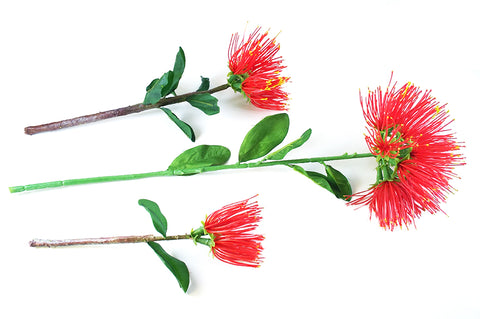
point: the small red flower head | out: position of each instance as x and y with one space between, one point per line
255 70
230 230
416 153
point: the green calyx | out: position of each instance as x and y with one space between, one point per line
197 237
388 163
236 80
387 166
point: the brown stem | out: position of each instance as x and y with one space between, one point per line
103 240
30 130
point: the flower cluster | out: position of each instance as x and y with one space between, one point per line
255 70
230 229
416 151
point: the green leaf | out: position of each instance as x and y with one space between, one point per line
280 154
156 88
201 156
178 69
205 84
264 136
344 190
177 267
158 219
152 84
204 102
187 129
317 178
166 89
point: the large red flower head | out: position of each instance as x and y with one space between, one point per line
416 153
230 229
255 70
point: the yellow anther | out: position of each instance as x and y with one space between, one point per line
406 88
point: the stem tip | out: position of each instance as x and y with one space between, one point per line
16 189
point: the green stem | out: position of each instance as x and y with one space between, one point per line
136 108
180 172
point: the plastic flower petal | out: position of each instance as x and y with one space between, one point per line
255 70
231 229
416 153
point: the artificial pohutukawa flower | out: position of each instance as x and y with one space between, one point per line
255 66
255 70
409 136
416 151
229 232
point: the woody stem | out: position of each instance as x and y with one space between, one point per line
103 240
136 108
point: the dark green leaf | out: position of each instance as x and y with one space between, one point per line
155 90
264 136
187 129
177 267
158 219
280 154
340 181
204 102
150 86
166 89
205 84
178 69
318 178
201 156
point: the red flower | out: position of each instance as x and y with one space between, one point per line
230 228
416 153
255 70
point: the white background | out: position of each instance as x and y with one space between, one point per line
61 59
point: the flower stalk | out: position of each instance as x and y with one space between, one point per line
131 109
185 171
103 240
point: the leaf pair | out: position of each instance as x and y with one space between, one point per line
205 102
335 182
167 84
177 267
266 135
